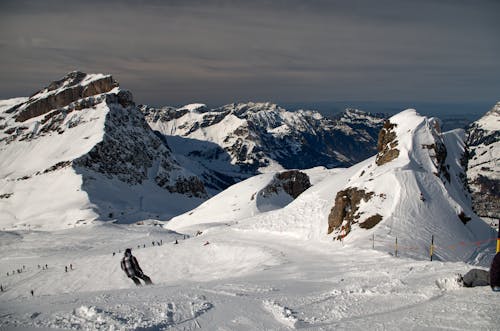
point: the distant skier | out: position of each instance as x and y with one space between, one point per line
71 266
66 268
131 267
32 293
495 273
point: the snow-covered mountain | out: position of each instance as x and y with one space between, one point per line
413 189
286 249
236 141
80 150
483 173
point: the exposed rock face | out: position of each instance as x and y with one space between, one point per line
345 211
293 182
87 123
63 92
129 150
386 144
483 173
253 136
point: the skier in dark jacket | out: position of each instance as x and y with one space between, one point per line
495 273
131 267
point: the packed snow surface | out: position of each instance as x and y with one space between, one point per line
238 281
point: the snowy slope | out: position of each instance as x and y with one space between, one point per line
243 200
419 194
483 172
239 281
69 157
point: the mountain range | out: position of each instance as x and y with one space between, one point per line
80 150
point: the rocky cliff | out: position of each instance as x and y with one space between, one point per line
483 171
84 125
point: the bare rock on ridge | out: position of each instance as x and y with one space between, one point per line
74 86
387 144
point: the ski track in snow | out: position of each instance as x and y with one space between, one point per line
311 286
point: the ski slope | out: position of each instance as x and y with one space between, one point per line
239 281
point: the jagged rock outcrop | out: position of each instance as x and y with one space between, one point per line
345 211
483 172
292 182
74 86
386 144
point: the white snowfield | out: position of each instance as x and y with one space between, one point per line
239 281
240 263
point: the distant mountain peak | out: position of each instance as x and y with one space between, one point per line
72 87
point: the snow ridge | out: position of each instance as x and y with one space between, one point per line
417 195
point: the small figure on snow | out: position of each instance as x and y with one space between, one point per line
71 266
422 197
1 288
46 266
131 267
32 293
206 243
198 233
66 268
176 242
153 243
495 273
114 253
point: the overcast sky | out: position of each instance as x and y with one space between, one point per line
217 52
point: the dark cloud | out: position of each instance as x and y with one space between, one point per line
174 52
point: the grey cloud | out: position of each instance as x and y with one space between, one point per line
221 51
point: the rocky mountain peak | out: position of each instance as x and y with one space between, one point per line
72 87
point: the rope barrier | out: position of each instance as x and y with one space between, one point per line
398 247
